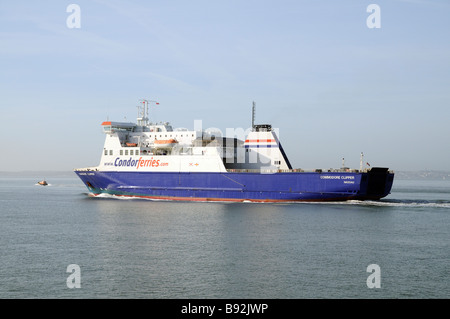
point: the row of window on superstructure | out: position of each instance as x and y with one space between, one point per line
123 152
170 135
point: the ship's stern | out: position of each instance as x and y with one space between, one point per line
376 183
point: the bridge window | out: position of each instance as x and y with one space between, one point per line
107 129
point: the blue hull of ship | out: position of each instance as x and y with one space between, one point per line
234 186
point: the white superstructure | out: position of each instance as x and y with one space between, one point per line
158 147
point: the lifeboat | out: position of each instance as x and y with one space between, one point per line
131 144
43 183
166 143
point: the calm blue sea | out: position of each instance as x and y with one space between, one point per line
133 248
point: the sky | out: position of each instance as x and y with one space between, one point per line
335 78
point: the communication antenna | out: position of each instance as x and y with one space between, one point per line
253 115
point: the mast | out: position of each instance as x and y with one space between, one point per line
361 161
142 119
253 115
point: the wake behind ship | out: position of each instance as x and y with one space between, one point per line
155 161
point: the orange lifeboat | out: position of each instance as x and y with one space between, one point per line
131 144
166 143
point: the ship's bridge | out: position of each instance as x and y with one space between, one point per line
111 127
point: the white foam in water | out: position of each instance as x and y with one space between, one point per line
381 203
396 203
401 203
105 195
124 197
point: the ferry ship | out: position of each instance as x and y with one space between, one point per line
155 161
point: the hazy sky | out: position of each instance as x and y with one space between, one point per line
333 86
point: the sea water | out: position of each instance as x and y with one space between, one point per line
58 242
